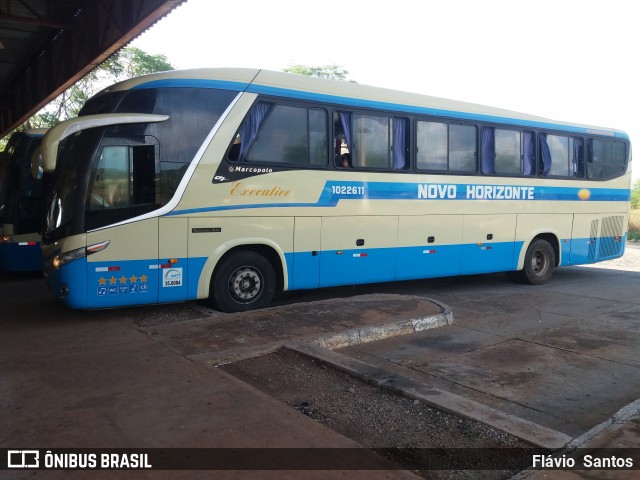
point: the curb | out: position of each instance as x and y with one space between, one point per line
372 333
334 340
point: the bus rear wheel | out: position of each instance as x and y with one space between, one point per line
244 281
539 262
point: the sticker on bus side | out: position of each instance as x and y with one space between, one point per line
172 277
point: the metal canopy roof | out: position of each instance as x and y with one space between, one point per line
47 45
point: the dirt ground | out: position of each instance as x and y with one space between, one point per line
384 421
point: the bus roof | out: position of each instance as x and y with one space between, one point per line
349 94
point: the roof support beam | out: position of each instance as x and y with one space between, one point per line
98 30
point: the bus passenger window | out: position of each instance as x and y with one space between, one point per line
607 159
282 134
507 152
444 147
562 156
372 141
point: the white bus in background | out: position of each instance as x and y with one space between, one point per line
20 204
232 184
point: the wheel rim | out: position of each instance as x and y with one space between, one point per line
539 262
245 284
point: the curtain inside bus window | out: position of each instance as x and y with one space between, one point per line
488 151
250 126
345 119
528 153
399 143
577 161
546 155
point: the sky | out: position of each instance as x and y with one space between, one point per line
570 60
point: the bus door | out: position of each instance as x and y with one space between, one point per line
358 249
173 264
488 243
122 190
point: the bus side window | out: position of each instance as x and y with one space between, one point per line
371 141
282 134
607 159
562 156
508 152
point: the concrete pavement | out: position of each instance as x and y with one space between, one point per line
109 379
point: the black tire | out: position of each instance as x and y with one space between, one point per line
244 281
539 262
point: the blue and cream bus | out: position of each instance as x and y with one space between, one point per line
20 204
232 184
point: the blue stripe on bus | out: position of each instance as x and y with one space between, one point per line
334 191
124 282
135 282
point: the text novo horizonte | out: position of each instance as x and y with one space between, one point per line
437 191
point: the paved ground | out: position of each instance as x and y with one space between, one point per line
562 356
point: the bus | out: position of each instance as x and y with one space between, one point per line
20 204
233 184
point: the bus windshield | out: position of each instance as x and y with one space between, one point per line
110 174
20 193
4 167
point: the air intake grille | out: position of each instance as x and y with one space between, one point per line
610 244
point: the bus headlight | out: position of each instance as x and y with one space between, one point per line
62 259
5 238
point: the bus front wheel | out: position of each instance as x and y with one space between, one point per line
244 281
539 262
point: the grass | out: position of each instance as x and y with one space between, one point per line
634 224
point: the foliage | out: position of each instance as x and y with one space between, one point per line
331 72
634 225
126 63
635 196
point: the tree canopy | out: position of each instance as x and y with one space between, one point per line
635 195
126 63
331 72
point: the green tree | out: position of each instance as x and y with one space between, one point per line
126 63
635 195
331 72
